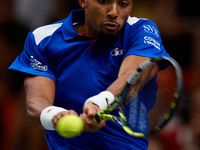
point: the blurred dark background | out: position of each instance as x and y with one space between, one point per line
179 25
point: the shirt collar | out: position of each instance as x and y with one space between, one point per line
75 18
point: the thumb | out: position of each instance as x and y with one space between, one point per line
90 109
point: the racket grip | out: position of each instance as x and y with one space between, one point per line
97 118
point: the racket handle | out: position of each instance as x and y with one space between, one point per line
97 118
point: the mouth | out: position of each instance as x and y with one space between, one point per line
111 25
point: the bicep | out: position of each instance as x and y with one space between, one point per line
39 86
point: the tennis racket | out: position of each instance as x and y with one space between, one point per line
150 110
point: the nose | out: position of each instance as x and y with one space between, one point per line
112 11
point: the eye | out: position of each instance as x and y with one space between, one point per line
123 4
103 1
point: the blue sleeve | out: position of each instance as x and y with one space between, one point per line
33 60
143 39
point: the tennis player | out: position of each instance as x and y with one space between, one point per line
71 66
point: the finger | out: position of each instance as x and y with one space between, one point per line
95 126
92 126
71 112
92 112
83 115
59 115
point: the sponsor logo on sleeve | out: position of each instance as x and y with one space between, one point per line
151 29
37 65
152 41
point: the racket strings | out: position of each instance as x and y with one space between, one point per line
140 106
158 94
166 81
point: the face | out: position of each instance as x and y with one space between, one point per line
105 18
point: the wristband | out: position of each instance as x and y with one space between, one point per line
47 115
102 100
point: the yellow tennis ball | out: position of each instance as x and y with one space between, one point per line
70 126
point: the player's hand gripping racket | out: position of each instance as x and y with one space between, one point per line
160 94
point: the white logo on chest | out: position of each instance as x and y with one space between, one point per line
117 51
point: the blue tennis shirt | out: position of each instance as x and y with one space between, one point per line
82 66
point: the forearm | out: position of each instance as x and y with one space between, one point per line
40 92
144 77
116 87
34 110
129 65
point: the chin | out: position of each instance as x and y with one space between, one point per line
108 37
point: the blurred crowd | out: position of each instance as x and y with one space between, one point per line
179 25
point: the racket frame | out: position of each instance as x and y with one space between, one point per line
120 99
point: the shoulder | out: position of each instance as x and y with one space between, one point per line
45 31
133 20
140 26
141 37
136 22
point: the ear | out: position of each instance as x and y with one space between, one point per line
83 3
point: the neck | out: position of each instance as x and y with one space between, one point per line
84 29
